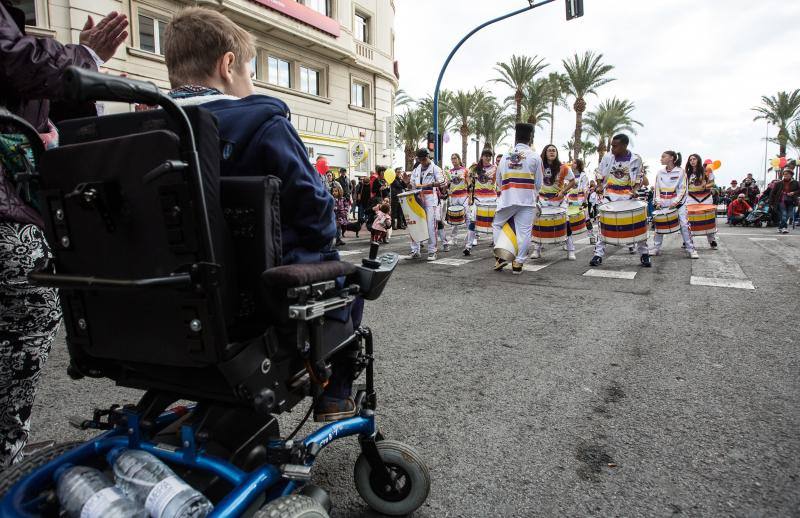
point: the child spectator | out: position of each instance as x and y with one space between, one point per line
383 221
341 209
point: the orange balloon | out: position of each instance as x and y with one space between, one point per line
716 165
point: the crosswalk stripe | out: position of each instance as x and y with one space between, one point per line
352 252
763 238
783 251
610 274
719 269
451 261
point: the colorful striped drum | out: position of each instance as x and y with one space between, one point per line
484 216
665 221
507 247
577 219
456 215
550 226
702 219
414 212
623 222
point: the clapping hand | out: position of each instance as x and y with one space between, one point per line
105 37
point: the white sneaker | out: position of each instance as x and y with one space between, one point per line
536 254
446 248
780 231
785 230
693 255
564 247
570 255
414 255
431 257
475 242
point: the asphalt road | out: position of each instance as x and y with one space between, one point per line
559 394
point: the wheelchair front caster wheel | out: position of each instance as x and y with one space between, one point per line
292 506
413 481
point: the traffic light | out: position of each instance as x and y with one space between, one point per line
574 9
430 142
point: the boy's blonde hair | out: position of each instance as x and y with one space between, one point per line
196 38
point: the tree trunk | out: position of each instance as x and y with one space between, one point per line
518 103
552 119
464 142
580 105
409 157
601 148
783 138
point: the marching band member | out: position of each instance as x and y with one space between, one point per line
621 175
482 188
579 195
701 181
518 178
670 192
557 179
458 194
428 177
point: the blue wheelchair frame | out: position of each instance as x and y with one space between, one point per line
21 499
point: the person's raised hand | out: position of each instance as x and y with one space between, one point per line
106 36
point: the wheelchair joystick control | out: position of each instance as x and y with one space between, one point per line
371 261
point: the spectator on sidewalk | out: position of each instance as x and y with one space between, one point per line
750 189
341 209
344 182
363 198
738 209
783 197
396 188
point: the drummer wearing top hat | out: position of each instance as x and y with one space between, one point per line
518 179
620 177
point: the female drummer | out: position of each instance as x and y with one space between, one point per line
481 188
578 195
457 177
670 193
701 181
557 179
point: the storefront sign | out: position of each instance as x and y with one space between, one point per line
303 14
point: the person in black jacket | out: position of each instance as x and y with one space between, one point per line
397 187
784 196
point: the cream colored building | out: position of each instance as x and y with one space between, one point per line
331 61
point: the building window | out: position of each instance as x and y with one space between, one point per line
254 68
151 33
321 6
278 72
29 8
309 80
361 29
358 95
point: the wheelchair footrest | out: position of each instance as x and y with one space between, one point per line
296 472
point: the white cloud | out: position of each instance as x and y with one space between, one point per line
694 68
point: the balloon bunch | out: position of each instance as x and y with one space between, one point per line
713 164
779 162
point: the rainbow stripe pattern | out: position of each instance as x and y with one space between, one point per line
702 219
577 220
507 247
484 217
517 180
550 226
666 221
623 223
456 215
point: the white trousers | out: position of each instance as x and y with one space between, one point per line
570 245
683 217
523 224
433 232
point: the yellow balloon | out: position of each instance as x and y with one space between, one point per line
775 162
716 165
389 176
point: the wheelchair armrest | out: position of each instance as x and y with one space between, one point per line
296 275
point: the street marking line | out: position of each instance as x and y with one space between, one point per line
449 261
719 269
721 283
352 252
610 274
535 267
785 252
762 238
743 234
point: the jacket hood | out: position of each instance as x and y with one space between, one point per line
250 113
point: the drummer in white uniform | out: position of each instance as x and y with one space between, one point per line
620 177
519 177
557 179
482 189
458 196
427 177
670 192
579 195
700 180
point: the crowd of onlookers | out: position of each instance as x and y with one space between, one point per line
367 202
777 205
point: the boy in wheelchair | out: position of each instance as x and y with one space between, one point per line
208 61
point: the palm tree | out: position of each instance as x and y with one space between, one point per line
556 94
794 137
493 124
610 118
410 128
535 103
781 110
465 107
586 74
445 117
401 98
517 73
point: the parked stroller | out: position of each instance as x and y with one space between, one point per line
171 282
759 216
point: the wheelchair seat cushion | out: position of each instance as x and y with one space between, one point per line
294 275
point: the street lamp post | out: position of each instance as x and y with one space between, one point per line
574 9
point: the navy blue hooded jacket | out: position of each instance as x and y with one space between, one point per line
259 140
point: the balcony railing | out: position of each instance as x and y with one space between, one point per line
364 51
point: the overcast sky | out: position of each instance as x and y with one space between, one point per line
693 68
